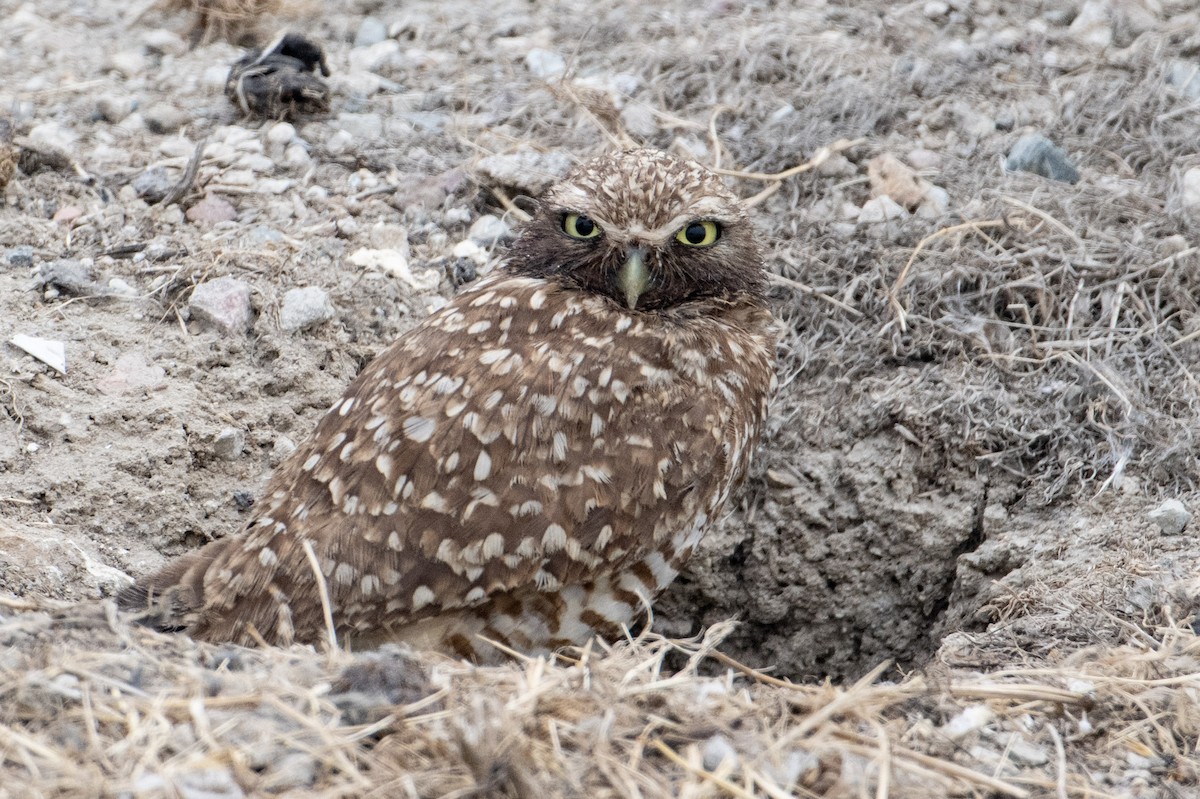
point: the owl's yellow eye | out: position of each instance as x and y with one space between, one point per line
578 226
700 233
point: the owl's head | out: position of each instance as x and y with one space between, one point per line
645 229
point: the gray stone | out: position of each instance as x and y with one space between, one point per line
115 107
229 443
1034 153
164 118
370 31
129 63
545 64
489 230
282 447
153 185
164 42
881 209
1185 77
281 133
1171 517
211 210
53 136
223 303
1189 192
20 256
261 236
68 276
303 308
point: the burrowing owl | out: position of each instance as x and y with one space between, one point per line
534 461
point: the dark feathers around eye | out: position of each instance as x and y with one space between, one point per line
729 268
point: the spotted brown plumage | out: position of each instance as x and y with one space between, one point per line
532 463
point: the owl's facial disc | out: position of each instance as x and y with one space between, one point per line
646 230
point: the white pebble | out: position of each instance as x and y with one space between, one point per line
1171 517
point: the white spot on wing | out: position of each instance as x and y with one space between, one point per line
422 597
419 429
483 466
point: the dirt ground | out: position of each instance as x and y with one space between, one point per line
987 386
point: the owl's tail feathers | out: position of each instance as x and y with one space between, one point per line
172 598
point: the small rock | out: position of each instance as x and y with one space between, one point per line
922 159
163 118
836 166
935 204
297 155
68 214
935 9
211 210
260 236
305 307
53 136
256 162
339 142
223 303
67 276
282 447
881 209
891 177
489 230
545 64
164 42
1171 517
374 58
129 63
153 185
1189 191
20 256
470 251
115 107
131 374
1185 76
370 31
229 443
119 288
1035 153
281 133
1092 25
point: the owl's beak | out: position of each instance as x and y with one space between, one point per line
634 277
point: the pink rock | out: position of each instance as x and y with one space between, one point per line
211 210
223 303
68 214
131 374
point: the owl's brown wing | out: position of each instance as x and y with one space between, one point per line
498 446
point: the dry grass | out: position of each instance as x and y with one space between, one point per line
93 707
